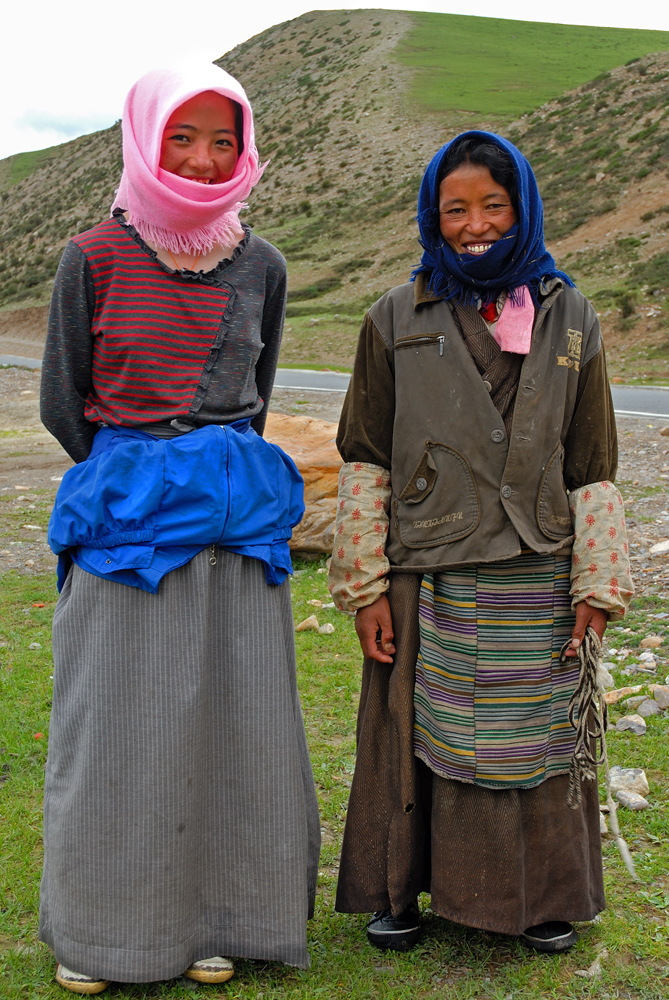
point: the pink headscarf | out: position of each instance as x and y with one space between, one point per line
171 211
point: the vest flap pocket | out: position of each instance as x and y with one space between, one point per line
422 482
553 515
449 503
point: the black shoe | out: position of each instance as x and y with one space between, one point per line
554 935
397 933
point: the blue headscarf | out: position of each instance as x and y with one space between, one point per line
519 258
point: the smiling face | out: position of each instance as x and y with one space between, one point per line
200 139
474 210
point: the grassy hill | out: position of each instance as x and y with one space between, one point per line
494 66
348 126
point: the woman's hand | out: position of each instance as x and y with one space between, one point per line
374 626
586 615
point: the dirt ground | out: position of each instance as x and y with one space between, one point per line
32 464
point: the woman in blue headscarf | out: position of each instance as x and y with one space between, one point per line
478 536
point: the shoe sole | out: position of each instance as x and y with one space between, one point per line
86 989
552 945
210 977
394 940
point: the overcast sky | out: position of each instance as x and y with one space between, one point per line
66 66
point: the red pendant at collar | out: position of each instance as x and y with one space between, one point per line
489 312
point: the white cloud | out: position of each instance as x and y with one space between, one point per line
42 121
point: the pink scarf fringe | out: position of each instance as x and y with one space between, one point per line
226 230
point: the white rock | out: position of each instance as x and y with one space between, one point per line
647 657
605 680
660 546
309 624
661 695
634 723
632 801
33 527
634 702
629 779
648 708
593 970
603 828
35 645
329 628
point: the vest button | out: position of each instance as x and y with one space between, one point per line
487 385
421 484
497 435
506 492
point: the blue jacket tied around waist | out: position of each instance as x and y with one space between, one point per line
141 506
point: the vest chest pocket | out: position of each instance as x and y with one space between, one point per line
422 340
553 514
440 502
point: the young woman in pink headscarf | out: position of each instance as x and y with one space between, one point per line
180 817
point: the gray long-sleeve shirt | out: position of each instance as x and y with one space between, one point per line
237 386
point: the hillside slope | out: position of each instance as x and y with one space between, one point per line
601 155
348 145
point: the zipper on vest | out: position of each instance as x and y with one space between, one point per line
417 341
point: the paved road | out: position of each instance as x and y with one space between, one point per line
302 378
633 401
641 401
630 401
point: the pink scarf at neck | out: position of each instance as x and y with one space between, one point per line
513 330
170 211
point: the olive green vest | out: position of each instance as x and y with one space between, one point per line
462 491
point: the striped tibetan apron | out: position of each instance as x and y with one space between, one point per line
491 693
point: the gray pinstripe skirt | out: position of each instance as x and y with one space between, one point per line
180 815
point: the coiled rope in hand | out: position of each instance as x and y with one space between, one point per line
587 713
585 716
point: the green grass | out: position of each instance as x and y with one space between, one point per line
21 165
497 67
449 961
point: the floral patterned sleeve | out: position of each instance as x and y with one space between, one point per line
359 567
600 569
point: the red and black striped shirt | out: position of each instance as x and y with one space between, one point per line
154 332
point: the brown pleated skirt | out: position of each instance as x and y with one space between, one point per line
498 860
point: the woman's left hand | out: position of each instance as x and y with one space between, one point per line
586 615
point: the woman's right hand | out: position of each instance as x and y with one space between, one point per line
374 626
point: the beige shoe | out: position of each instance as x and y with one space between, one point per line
211 970
75 982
